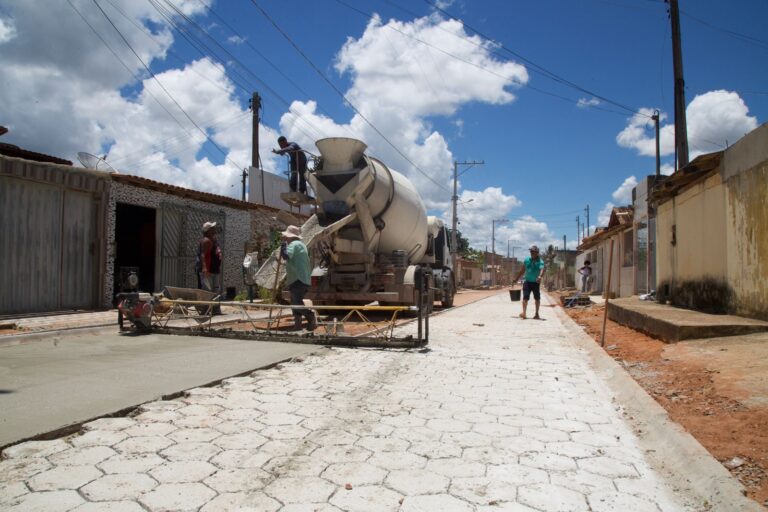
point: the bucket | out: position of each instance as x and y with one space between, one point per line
514 295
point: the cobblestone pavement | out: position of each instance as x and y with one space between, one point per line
499 415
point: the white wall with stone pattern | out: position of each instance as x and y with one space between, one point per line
237 231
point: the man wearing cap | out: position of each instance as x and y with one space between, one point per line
533 268
298 163
297 275
209 259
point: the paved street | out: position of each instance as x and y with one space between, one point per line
499 414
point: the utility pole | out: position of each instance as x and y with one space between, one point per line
681 130
255 158
565 247
245 176
587 210
493 248
454 200
578 231
655 118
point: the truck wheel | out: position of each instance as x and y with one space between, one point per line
447 302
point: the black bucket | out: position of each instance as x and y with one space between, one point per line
514 295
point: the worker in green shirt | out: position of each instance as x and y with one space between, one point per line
533 268
297 275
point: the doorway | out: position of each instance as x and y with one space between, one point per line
135 240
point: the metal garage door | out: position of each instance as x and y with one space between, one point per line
181 232
46 247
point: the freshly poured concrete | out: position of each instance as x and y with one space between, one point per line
65 379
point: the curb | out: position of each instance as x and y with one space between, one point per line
667 446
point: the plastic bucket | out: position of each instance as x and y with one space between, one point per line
514 295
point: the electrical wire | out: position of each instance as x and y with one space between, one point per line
206 51
268 61
490 49
343 96
534 66
736 35
154 77
122 62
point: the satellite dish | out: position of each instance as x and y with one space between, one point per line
98 163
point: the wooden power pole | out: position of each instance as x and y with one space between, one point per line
681 130
255 157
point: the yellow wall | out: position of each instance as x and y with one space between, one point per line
747 241
700 250
722 228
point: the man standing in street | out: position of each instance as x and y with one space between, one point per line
297 275
298 163
533 268
209 259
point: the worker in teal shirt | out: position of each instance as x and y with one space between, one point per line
297 275
533 268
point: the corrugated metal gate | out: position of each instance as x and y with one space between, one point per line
48 247
181 232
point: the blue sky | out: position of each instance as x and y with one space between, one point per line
431 85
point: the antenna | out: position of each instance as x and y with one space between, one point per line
98 163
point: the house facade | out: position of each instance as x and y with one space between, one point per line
597 250
73 234
712 240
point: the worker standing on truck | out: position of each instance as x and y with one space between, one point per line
297 275
298 163
533 268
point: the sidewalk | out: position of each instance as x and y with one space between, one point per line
24 325
499 414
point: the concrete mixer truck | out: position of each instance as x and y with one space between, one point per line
371 236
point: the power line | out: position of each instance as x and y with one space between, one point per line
154 77
343 96
536 67
570 101
736 35
208 52
120 60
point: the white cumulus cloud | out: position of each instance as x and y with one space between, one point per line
714 120
623 194
398 83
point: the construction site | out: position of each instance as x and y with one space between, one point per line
235 281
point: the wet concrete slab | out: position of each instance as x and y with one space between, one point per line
65 379
673 324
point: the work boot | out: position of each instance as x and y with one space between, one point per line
296 324
311 322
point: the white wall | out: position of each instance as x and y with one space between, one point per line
269 194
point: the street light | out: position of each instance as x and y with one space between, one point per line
493 248
454 200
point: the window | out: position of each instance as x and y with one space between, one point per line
628 249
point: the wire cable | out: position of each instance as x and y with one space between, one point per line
541 69
122 62
194 41
154 77
343 96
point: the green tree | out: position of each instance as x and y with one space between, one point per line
463 249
